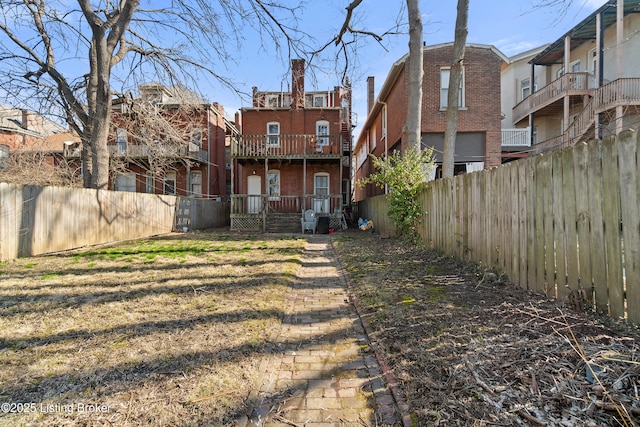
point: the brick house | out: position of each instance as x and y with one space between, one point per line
37 140
293 154
162 143
479 137
586 84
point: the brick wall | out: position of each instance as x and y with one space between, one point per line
292 122
213 141
291 177
482 90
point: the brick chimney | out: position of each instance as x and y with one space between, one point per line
370 90
297 84
25 119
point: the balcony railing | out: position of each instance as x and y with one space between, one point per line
516 137
568 84
243 204
135 151
618 92
621 92
288 146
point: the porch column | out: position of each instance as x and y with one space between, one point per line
265 199
619 72
566 103
599 68
304 184
532 79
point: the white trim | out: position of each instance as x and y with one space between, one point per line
273 138
322 132
168 177
461 95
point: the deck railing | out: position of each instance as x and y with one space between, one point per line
568 84
618 92
516 137
143 151
328 204
287 145
245 204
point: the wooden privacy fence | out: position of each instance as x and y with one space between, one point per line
562 223
36 220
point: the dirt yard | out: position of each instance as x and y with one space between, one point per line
171 331
469 349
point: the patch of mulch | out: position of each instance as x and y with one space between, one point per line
470 349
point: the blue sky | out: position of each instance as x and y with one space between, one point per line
512 26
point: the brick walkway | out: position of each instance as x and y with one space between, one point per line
319 369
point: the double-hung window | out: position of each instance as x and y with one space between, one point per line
195 142
121 141
273 134
445 75
525 88
196 183
322 132
170 183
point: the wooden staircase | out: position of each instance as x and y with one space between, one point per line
284 223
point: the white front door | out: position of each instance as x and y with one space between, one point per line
254 194
321 191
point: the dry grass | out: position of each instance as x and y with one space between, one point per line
165 331
472 352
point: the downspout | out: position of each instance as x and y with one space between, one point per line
599 69
531 117
386 143
619 63
566 99
265 198
209 153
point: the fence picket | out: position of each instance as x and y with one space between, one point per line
582 190
597 255
570 230
611 219
630 219
551 222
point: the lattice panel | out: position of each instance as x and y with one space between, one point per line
246 224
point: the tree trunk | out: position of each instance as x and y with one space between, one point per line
455 76
413 126
87 166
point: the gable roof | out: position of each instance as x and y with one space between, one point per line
398 67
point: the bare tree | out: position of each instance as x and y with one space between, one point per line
412 128
455 76
70 59
38 167
160 136
351 32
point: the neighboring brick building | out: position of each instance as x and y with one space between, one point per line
294 154
38 142
478 142
162 143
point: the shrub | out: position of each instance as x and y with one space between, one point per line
404 174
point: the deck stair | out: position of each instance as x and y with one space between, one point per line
284 223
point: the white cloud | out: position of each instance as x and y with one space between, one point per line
512 47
